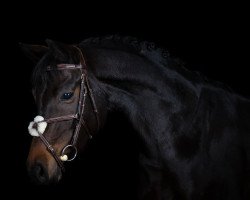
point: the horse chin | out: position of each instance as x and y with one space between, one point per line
56 178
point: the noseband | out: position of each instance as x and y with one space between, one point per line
85 90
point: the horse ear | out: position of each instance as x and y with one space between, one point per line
59 49
34 52
62 52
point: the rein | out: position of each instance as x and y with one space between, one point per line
85 90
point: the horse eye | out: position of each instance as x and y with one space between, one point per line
67 96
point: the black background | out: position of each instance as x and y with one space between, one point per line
210 40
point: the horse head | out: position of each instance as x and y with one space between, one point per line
67 101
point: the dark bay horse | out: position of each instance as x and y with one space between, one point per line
194 134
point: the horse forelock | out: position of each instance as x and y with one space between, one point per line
40 76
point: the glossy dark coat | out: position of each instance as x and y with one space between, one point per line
193 134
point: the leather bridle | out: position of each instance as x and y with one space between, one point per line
85 90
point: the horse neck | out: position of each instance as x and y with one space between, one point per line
145 93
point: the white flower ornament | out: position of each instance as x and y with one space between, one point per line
38 125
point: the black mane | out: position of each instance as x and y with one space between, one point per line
132 45
152 52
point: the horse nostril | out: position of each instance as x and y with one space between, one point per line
40 173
